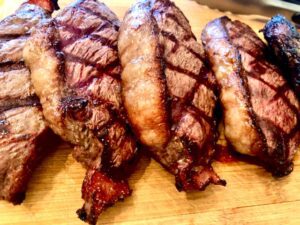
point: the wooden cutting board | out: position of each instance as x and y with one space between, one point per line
252 196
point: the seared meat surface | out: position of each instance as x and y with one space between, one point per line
169 93
284 39
76 73
261 113
23 131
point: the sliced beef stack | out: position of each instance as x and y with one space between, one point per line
24 135
284 40
261 113
169 93
76 73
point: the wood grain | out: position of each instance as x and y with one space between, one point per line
252 196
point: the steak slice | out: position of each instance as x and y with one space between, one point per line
24 135
76 73
284 39
261 112
169 93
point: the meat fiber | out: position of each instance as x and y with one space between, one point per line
24 135
76 73
260 111
169 93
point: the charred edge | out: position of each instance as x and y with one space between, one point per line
9 66
284 47
277 21
31 101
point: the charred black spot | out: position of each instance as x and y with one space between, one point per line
55 4
18 198
76 108
82 214
3 127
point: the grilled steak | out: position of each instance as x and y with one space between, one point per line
284 40
169 93
76 73
261 113
23 131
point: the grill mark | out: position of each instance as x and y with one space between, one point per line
281 91
286 136
91 12
102 69
13 103
200 78
238 33
176 20
200 114
77 33
188 100
9 66
256 76
104 41
282 142
85 33
9 37
102 133
172 38
168 5
286 100
292 107
82 67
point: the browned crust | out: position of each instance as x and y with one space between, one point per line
151 123
284 41
185 153
24 137
243 40
84 105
